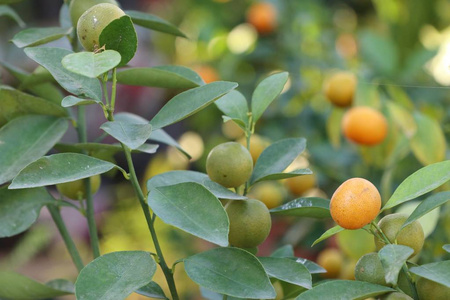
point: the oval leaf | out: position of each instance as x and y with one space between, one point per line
59 168
131 134
152 290
311 207
230 271
330 232
446 248
192 208
153 22
393 257
115 275
235 106
37 36
266 91
25 139
73 101
312 267
91 64
437 271
287 270
279 176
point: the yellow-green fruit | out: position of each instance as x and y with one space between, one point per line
93 21
396 296
430 290
271 193
229 164
369 269
411 236
330 259
346 241
78 7
76 190
250 223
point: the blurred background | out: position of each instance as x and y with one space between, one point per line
399 52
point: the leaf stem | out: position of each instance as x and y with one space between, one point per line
113 90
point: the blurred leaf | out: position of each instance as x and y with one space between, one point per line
287 270
120 35
393 257
50 58
380 52
131 134
69 101
330 232
25 139
62 285
334 126
399 97
230 271
283 251
367 94
9 1
39 75
153 22
446 248
9 12
91 64
115 275
415 63
59 168
428 221
235 106
152 290
19 209
266 91
189 102
420 182
403 118
202 215
31 37
311 207
438 272
428 144
64 16
346 242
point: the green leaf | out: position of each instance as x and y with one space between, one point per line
230 271
330 232
64 16
189 102
31 37
69 101
99 150
50 58
115 275
91 64
18 287
393 257
62 285
344 289
175 177
277 157
59 168
420 182
283 251
428 144
9 12
266 91
9 1
446 248
312 267
282 175
25 139
380 52
163 76
19 209
119 35
438 272
153 22
152 290
311 207
39 75
201 215
333 126
131 134
287 270
403 118
235 106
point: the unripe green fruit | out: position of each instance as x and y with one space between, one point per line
75 189
93 21
250 223
430 290
78 7
229 164
369 269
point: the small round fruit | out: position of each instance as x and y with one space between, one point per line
340 88
430 290
78 7
411 236
263 16
364 126
396 296
300 184
355 203
229 164
369 269
270 193
348 270
331 260
93 21
250 223
76 190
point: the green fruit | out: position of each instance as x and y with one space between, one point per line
78 7
250 223
430 290
93 21
369 269
396 296
75 189
229 164
411 236
346 241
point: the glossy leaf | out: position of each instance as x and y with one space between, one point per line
446 248
284 175
120 35
393 257
19 209
287 270
230 271
99 149
330 232
131 134
153 22
62 285
192 208
37 36
235 106
69 101
420 182
189 102
312 267
344 289
287 251
9 12
266 91
437 271
277 157
283 251
152 290
25 139
50 58
15 286
91 64
59 168
115 275
312 207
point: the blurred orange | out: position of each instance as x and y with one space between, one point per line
346 45
207 73
263 16
364 125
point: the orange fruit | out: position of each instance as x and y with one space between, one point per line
340 88
331 260
207 73
263 16
355 203
346 45
364 125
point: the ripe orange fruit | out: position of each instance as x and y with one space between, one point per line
263 16
207 73
364 125
340 88
355 203
331 260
